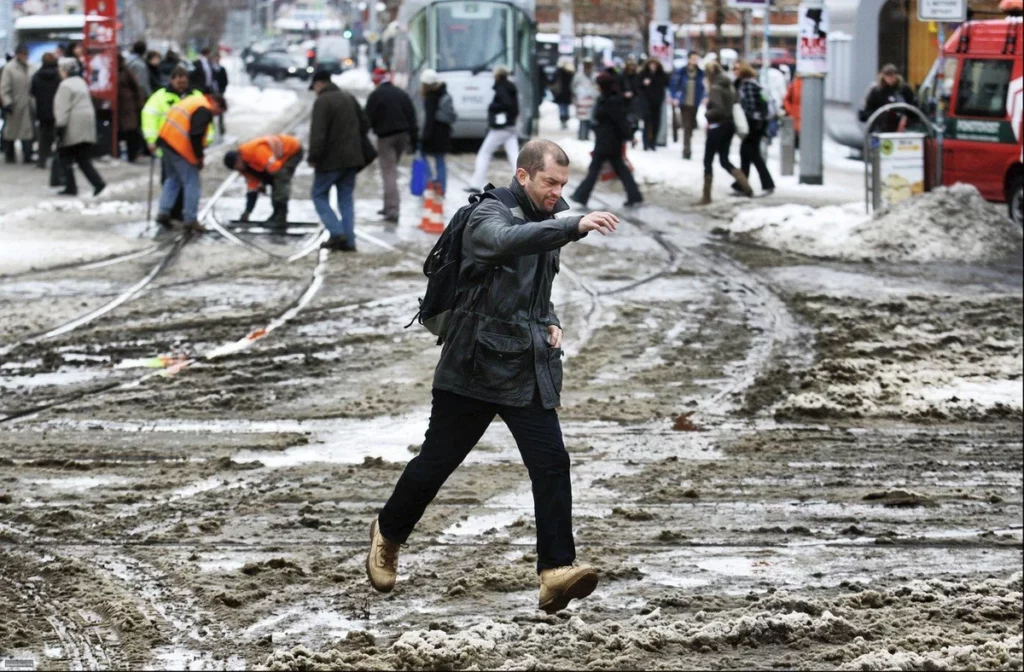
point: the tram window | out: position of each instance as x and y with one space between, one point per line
472 35
526 46
418 40
982 88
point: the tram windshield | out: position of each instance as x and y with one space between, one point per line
474 36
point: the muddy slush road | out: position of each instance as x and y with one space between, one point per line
755 473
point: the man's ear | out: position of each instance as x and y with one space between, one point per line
522 176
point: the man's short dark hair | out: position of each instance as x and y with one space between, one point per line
205 52
49 58
21 49
178 71
139 47
219 100
693 53
533 156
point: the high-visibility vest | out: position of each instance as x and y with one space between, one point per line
267 154
178 126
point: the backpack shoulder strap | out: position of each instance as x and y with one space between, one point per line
503 194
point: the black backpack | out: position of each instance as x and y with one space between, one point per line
444 262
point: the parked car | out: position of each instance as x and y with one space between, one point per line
333 54
279 65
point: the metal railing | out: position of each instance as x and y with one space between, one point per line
932 129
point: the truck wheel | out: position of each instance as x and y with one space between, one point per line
1016 200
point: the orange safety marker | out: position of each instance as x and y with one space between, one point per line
433 209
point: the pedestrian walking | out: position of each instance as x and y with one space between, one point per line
720 130
335 152
502 129
613 127
130 101
16 93
629 87
44 88
755 107
502 356
653 84
154 113
687 90
182 141
889 88
791 103
584 93
202 73
438 117
393 119
153 60
139 67
271 161
561 89
220 79
75 123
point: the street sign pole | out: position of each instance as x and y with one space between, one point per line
662 16
811 67
941 11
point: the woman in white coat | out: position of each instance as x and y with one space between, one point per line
75 122
584 93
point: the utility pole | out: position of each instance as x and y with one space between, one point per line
566 29
663 14
746 35
811 57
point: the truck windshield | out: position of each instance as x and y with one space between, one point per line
473 36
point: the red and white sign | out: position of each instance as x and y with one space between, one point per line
662 41
812 40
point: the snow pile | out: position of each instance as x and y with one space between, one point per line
253 110
950 223
94 209
1004 654
356 81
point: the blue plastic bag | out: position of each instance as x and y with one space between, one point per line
420 176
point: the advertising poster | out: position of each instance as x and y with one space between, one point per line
900 166
812 41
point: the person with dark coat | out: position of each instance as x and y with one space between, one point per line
752 100
502 128
130 101
394 122
502 356
438 117
153 60
653 84
220 74
629 86
202 73
44 88
612 129
889 88
720 130
140 68
561 89
336 155
171 59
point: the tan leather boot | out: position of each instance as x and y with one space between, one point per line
741 180
561 584
382 561
705 199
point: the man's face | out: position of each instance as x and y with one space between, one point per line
179 83
318 86
240 165
588 68
22 57
890 79
545 187
694 60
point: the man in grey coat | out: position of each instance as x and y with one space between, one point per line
502 356
138 67
19 116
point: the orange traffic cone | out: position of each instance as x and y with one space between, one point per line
433 209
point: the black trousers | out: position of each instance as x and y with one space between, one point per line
456 425
82 155
718 141
47 134
750 153
134 141
582 193
652 125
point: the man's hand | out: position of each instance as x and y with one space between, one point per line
554 336
602 222
152 149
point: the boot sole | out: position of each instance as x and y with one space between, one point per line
578 589
379 589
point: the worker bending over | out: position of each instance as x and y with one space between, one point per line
268 160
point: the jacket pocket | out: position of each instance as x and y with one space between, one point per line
500 363
555 368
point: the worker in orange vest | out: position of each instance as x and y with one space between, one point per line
268 160
183 139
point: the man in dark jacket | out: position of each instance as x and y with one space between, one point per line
44 88
502 115
687 91
336 155
393 119
502 356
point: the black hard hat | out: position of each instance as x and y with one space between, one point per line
230 159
